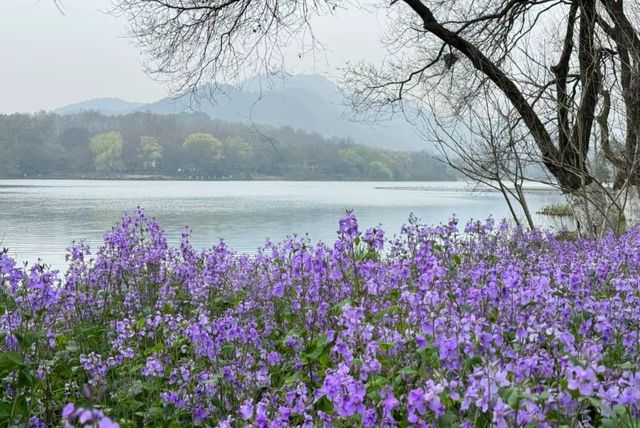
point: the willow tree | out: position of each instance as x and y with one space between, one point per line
107 152
570 69
149 152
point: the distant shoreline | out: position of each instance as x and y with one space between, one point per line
428 186
261 178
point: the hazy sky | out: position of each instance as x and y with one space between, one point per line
51 59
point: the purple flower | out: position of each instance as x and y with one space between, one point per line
200 413
374 237
443 321
345 392
86 417
389 402
154 367
369 418
278 289
583 380
419 400
500 413
246 410
67 411
174 398
35 422
348 225
107 423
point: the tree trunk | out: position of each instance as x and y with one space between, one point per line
595 211
631 205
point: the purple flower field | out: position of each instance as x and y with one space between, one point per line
485 326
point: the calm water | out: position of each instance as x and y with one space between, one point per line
39 218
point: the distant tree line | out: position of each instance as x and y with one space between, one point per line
192 146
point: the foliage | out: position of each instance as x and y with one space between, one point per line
493 326
204 152
48 145
373 164
149 152
237 153
107 152
74 137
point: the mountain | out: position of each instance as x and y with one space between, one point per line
106 106
310 103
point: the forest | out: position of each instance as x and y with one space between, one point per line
192 146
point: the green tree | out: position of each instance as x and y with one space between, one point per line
203 153
378 171
107 152
73 137
149 152
356 159
9 166
237 153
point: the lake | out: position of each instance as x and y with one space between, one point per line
40 218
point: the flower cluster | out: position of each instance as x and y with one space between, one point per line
488 326
87 418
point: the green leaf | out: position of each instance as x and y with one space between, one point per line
72 348
323 404
217 403
608 423
320 352
595 402
25 378
158 347
140 323
470 363
457 259
315 354
620 410
32 337
385 346
9 361
338 306
5 409
318 348
21 406
62 340
408 371
375 384
514 398
228 348
447 420
466 307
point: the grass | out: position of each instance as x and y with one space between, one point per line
556 210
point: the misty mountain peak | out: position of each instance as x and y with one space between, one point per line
308 102
107 105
